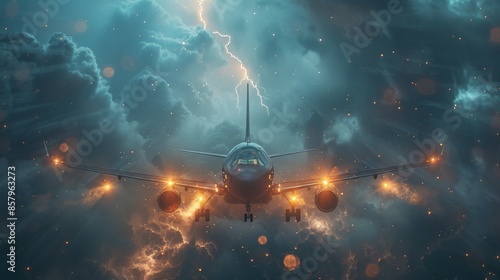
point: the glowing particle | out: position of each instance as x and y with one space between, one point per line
262 240
495 35
64 147
81 26
372 270
108 72
291 262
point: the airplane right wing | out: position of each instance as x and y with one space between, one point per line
300 184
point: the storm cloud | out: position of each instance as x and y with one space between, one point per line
123 85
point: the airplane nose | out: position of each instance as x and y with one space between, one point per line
249 183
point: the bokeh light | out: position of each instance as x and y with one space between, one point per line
391 95
262 240
81 26
495 121
426 86
291 262
64 147
11 9
372 270
108 72
128 62
495 35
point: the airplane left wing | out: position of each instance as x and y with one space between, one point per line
191 184
300 184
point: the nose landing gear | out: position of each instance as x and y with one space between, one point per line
248 215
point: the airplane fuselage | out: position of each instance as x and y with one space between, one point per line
247 174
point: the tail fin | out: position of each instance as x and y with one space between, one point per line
247 137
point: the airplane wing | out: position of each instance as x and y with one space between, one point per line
202 153
192 184
300 184
291 153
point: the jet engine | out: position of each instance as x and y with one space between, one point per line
169 200
326 200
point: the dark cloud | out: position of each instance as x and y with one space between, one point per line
152 72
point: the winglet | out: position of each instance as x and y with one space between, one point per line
46 150
247 136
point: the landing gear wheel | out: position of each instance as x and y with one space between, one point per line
297 215
196 215
207 215
289 213
245 217
251 217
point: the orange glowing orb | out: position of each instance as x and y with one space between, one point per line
426 86
391 96
372 270
64 147
108 72
81 26
262 240
291 262
495 121
495 35
11 9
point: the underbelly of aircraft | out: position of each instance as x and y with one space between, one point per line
228 198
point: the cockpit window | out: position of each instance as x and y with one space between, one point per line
253 161
248 156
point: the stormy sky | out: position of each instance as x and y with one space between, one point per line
367 83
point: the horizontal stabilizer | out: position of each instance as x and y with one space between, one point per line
291 153
203 153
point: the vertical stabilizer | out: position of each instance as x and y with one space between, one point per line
247 136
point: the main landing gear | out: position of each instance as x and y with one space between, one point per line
291 212
202 212
248 215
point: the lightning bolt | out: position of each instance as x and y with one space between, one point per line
245 76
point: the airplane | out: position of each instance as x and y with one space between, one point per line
247 179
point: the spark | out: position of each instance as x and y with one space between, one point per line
245 76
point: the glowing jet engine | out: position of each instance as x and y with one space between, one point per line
169 200
326 200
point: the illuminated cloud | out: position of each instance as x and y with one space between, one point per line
54 86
